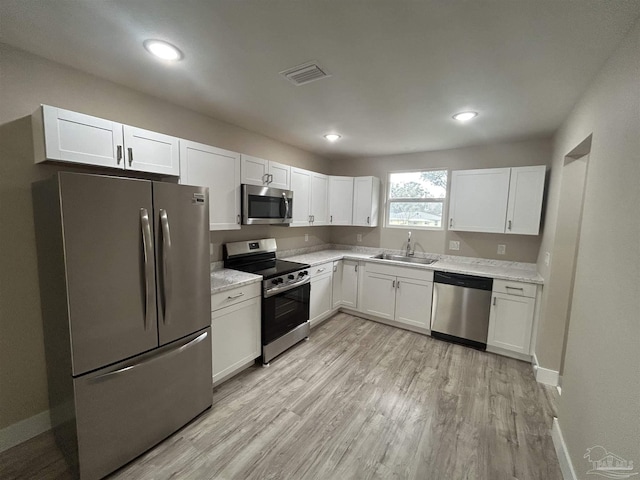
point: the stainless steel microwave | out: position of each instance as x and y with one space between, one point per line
266 206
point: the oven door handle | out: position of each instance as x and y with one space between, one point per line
285 288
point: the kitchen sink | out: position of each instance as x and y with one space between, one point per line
404 258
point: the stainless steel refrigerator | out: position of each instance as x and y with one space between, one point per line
125 294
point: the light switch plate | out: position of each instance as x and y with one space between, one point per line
359 237
306 237
454 245
502 249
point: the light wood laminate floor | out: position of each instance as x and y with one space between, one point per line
360 400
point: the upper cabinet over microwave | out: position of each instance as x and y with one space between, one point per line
265 173
497 200
65 136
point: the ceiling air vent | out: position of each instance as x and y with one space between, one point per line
303 74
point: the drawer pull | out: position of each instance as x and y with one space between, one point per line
514 288
320 270
232 297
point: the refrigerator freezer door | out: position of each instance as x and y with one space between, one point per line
181 223
110 268
125 409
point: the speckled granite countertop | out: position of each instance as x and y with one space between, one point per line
497 269
226 279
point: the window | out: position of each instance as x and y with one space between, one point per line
416 199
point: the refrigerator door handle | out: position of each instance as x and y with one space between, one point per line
147 248
167 269
172 352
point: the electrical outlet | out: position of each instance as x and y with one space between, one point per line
359 237
306 237
454 245
547 258
502 249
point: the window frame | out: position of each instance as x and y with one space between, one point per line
444 201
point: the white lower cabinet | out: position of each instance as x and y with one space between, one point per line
320 302
511 317
235 332
350 284
398 294
336 284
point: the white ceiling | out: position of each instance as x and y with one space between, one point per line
400 68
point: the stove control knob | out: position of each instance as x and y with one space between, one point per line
275 281
279 280
290 277
302 274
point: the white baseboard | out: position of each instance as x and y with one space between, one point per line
24 430
566 467
544 375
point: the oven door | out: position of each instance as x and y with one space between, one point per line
283 312
266 206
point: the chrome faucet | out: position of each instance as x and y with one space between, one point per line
409 252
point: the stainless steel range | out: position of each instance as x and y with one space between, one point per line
285 293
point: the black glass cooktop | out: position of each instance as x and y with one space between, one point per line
271 268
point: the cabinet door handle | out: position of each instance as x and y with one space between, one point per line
119 154
356 267
450 222
368 222
130 150
331 219
313 218
494 301
393 284
335 268
238 219
232 297
269 178
398 284
509 227
265 178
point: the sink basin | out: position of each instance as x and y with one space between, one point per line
404 258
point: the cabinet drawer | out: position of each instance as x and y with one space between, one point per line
406 272
236 295
515 288
321 269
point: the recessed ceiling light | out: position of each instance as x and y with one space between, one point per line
464 116
332 137
163 50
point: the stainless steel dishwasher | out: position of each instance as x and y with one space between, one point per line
460 309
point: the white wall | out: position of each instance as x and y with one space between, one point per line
600 403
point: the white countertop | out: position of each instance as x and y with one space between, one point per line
226 279
489 268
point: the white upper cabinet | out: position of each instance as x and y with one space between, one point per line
340 200
151 152
319 199
366 200
310 198
526 189
479 200
301 187
218 169
261 172
497 200
66 136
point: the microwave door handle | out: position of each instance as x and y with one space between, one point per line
286 206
